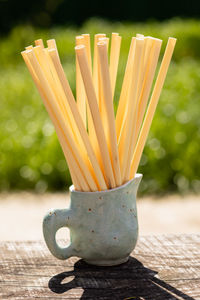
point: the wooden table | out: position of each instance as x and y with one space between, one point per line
161 267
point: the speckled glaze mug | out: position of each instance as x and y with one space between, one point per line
103 225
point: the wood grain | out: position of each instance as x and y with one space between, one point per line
161 267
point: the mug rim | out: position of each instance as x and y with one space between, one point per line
137 175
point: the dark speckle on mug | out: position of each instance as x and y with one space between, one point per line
123 205
92 230
100 198
114 238
131 209
89 209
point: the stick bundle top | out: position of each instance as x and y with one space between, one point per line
102 151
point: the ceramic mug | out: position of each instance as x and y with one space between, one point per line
103 225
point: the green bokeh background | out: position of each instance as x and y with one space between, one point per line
30 155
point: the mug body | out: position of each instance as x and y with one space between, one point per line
105 230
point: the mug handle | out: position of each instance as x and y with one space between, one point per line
53 221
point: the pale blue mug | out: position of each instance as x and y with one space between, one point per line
103 225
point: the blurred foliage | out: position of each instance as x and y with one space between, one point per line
48 13
30 155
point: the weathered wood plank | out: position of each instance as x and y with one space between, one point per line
161 267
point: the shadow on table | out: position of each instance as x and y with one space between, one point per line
129 280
